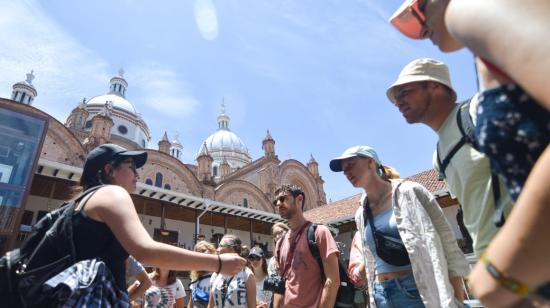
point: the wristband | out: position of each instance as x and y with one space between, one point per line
219 265
511 284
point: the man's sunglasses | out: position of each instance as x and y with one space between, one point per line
410 20
253 258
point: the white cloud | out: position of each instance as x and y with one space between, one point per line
65 70
162 90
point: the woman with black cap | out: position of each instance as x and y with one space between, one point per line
410 253
106 223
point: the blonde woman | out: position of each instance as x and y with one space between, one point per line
409 249
200 280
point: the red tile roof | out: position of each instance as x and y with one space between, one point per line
334 211
429 179
345 208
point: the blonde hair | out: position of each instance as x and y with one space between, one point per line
389 172
280 225
199 247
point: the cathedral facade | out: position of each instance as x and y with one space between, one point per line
223 191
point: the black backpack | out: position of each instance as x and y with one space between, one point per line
467 127
346 291
47 251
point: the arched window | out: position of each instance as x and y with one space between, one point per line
215 171
167 186
245 202
149 182
158 179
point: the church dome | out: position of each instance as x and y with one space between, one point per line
225 144
128 124
116 96
117 102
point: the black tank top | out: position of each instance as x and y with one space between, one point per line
94 239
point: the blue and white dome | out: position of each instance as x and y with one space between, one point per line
128 123
226 145
117 102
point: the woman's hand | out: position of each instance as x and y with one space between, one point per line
261 305
232 263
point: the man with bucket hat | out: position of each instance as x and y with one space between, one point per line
423 93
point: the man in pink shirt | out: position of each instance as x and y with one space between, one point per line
305 285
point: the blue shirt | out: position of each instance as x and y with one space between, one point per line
385 223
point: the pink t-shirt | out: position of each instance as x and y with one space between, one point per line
303 280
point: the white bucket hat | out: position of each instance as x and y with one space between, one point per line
423 70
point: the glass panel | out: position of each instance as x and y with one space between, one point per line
20 137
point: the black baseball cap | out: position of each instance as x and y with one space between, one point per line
106 153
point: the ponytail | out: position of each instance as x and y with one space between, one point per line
389 172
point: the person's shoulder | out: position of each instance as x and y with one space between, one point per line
111 192
248 271
323 232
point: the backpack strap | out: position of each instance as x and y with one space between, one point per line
84 196
467 129
312 244
498 216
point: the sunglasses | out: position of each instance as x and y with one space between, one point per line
131 165
253 258
410 20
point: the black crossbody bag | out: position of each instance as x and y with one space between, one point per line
388 248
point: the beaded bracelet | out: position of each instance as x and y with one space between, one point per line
219 264
504 280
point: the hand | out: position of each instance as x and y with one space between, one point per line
359 276
261 305
232 263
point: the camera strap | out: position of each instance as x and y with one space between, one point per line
293 244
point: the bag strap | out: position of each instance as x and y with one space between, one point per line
498 215
293 244
312 244
466 128
201 277
66 219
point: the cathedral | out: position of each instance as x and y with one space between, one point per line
224 190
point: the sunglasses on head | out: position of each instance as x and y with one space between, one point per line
410 20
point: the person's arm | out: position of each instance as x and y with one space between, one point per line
114 206
458 287
356 267
332 281
509 34
456 262
138 288
179 294
251 291
211 298
278 300
521 248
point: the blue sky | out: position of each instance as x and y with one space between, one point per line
312 72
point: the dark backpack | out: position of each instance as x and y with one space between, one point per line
346 290
47 251
467 127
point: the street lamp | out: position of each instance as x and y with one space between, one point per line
197 223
